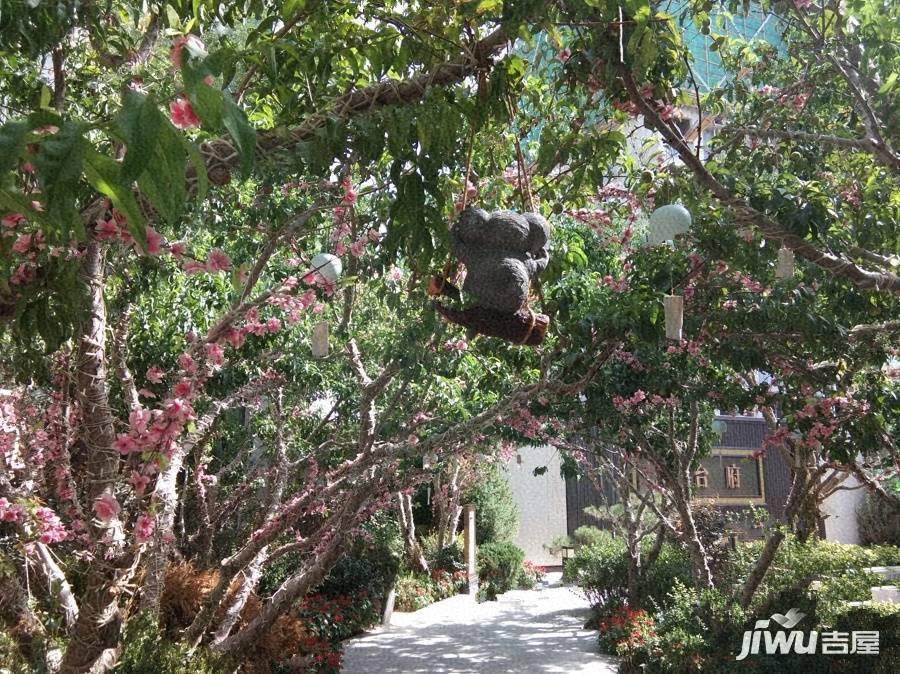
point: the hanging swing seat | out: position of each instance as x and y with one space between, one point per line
522 327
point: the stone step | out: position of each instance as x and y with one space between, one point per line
886 572
886 593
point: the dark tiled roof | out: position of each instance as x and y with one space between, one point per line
743 432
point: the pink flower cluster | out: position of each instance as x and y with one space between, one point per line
116 229
796 101
456 345
50 528
617 286
625 404
629 359
106 507
216 260
10 512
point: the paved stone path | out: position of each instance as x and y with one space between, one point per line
527 632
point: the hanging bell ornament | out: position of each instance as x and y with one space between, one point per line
319 339
719 427
785 266
327 266
667 222
429 460
674 306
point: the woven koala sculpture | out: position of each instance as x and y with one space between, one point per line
502 252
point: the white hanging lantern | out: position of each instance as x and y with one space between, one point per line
674 306
667 222
319 339
719 427
327 266
785 266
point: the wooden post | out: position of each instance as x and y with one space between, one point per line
469 547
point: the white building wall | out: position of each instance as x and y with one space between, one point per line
839 511
541 501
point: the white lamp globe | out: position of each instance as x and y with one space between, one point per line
719 427
667 222
328 266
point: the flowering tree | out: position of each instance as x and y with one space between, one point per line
159 225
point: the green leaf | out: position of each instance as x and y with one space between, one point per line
888 83
140 122
243 135
105 175
163 181
199 167
59 165
208 103
12 142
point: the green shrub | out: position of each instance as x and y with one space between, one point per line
146 651
530 575
413 591
601 571
449 558
879 521
496 515
690 631
499 566
796 565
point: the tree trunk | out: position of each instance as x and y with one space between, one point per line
760 568
634 566
94 639
414 554
691 540
21 624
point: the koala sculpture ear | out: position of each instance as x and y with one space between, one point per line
538 232
471 223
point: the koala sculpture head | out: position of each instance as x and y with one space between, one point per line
503 252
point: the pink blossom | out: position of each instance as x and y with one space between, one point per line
340 249
10 512
218 260
177 249
146 393
155 374
358 247
413 439
106 507
235 337
154 242
373 236
179 410
22 244
318 308
143 530
182 114
124 444
802 4
186 363
273 325
138 420
12 220
215 353
395 274
564 55
666 110
106 230
139 482
349 193
50 526
182 389
195 43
